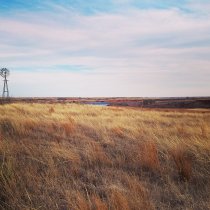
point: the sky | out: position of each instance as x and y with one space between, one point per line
107 48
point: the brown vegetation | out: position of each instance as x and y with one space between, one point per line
81 157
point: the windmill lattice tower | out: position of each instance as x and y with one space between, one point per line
4 72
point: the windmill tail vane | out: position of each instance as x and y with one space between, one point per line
4 72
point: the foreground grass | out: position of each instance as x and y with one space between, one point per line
82 157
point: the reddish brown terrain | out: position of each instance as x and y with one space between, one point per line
182 102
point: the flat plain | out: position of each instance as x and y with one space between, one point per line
85 157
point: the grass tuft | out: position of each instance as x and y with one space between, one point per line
183 162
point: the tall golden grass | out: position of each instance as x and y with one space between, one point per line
81 157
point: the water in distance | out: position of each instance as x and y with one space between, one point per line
98 103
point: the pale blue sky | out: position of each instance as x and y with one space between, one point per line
106 47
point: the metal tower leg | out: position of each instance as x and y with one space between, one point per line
5 89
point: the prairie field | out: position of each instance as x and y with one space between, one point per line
83 157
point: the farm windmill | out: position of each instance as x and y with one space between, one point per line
4 72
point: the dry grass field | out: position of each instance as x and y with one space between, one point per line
81 157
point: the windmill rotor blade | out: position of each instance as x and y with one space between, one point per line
4 72
1 72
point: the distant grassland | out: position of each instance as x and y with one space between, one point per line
170 102
82 157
